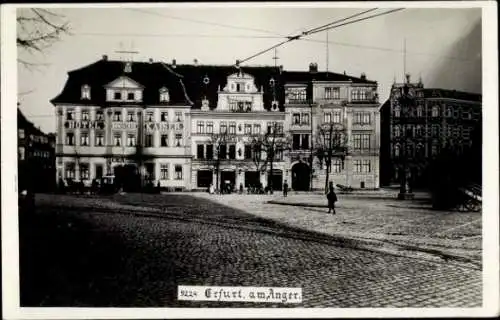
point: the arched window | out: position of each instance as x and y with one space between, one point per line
396 150
435 111
397 131
409 150
86 92
449 112
419 111
397 112
164 95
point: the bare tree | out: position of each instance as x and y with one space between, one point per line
219 141
37 30
256 143
331 142
273 143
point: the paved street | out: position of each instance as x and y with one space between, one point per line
377 217
133 250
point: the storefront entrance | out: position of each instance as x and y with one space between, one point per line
127 177
228 176
301 177
204 178
277 179
252 178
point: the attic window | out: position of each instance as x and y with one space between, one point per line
128 67
164 96
86 91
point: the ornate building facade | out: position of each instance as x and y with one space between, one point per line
434 120
159 122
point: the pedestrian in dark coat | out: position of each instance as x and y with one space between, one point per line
285 189
332 198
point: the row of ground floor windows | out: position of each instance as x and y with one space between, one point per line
84 171
300 178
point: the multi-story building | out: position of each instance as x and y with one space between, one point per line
316 99
433 120
124 119
36 157
163 122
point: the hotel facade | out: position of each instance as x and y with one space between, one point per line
157 122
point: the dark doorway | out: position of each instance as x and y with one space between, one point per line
252 178
127 177
228 176
300 177
204 178
277 179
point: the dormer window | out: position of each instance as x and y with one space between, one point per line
164 95
130 96
204 104
128 67
86 92
117 95
238 87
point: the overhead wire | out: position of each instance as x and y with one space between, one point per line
325 27
273 35
101 34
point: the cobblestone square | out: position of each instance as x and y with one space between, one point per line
134 250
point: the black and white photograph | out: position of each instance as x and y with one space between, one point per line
250 159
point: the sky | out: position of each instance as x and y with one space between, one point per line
443 46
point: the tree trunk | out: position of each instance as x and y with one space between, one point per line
217 174
270 183
327 174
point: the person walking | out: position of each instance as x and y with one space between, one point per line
332 198
285 189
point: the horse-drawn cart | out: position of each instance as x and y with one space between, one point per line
469 198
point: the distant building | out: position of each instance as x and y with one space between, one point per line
156 121
36 157
437 119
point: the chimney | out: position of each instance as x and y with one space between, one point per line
150 60
407 78
344 73
195 62
313 67
363 76
174 63
105 57
281 69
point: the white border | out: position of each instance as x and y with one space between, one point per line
10 274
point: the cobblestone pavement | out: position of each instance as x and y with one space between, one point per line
134 250
378 216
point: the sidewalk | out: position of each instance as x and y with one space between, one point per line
380 220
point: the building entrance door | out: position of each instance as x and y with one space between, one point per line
127 177
227 177
204 178
300 177
252 178
277 179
